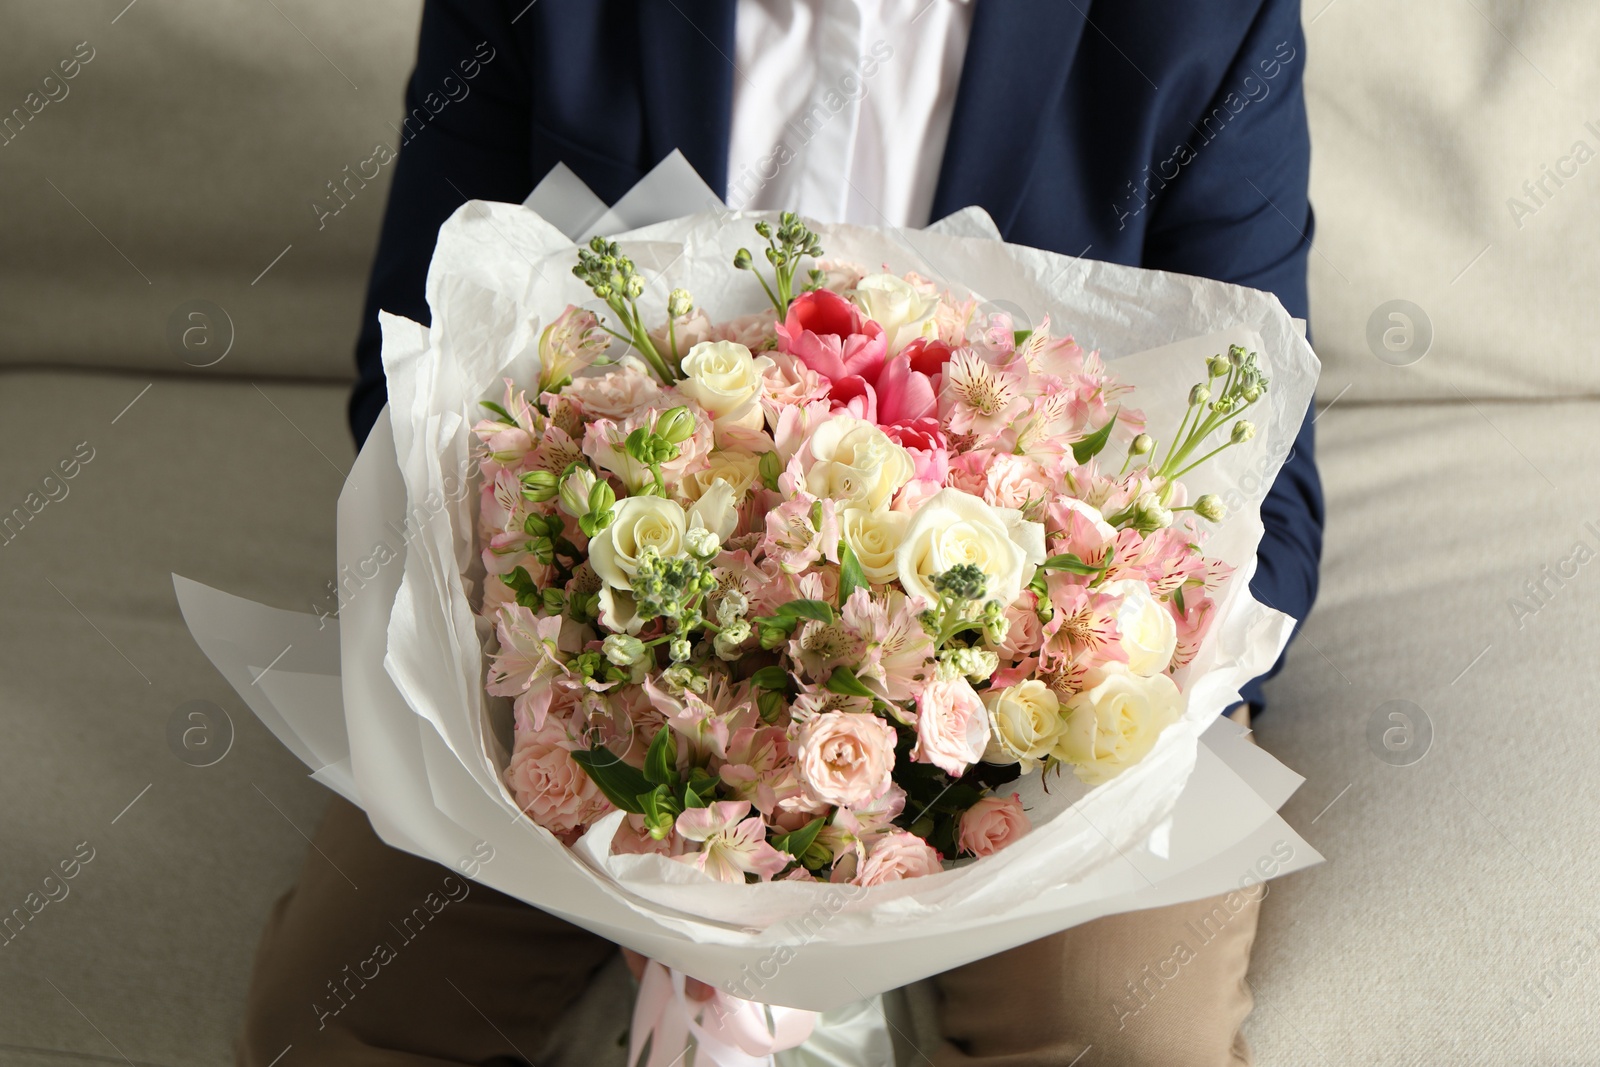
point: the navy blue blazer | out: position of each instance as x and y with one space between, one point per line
1143 132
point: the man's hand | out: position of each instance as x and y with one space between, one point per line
696 989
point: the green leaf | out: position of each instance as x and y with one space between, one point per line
1020 337
851 576
796 842
520 582
661 761
843 681
622 784
1177 598
1085 450
692 799
818 610
770 678
1070 562
505 416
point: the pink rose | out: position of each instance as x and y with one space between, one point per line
952 726
619 394
991 824
756 332
1024 631
549 785
925 442
896 856
845 757
1017 482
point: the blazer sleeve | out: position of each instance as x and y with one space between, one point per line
1239 212
465 136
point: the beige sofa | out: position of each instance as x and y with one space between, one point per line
1456 920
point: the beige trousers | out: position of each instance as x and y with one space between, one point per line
379 959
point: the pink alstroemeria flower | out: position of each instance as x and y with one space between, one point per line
730 844
530 650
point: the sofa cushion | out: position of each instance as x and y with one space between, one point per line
153 936
1455 166
1454 921
178 163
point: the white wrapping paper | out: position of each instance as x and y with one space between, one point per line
423 748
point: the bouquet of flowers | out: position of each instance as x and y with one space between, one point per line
803 591
811 621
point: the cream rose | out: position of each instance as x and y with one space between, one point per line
854 462
1149 632
1114 724
738 469
953 527
638 522
1025 723
874 536
904 312
725 379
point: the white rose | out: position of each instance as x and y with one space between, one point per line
725 379
717 510
874 536
639 522
899 307
953 527
1115 723
854 462
1025 721
1149 632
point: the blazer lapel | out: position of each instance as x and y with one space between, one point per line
686 82
1018 56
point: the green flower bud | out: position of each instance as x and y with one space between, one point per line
1141 444
679 303
773 637
1236 355
602 498
1217 366
1199 395
679 649
538 486
771 704
1243 430
554 600
660 824
1149 514
1210 508
769 466
742 260
675 426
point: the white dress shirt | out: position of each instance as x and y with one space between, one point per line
841 108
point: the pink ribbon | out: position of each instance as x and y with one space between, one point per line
727 1031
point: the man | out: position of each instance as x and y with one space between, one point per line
1165 136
